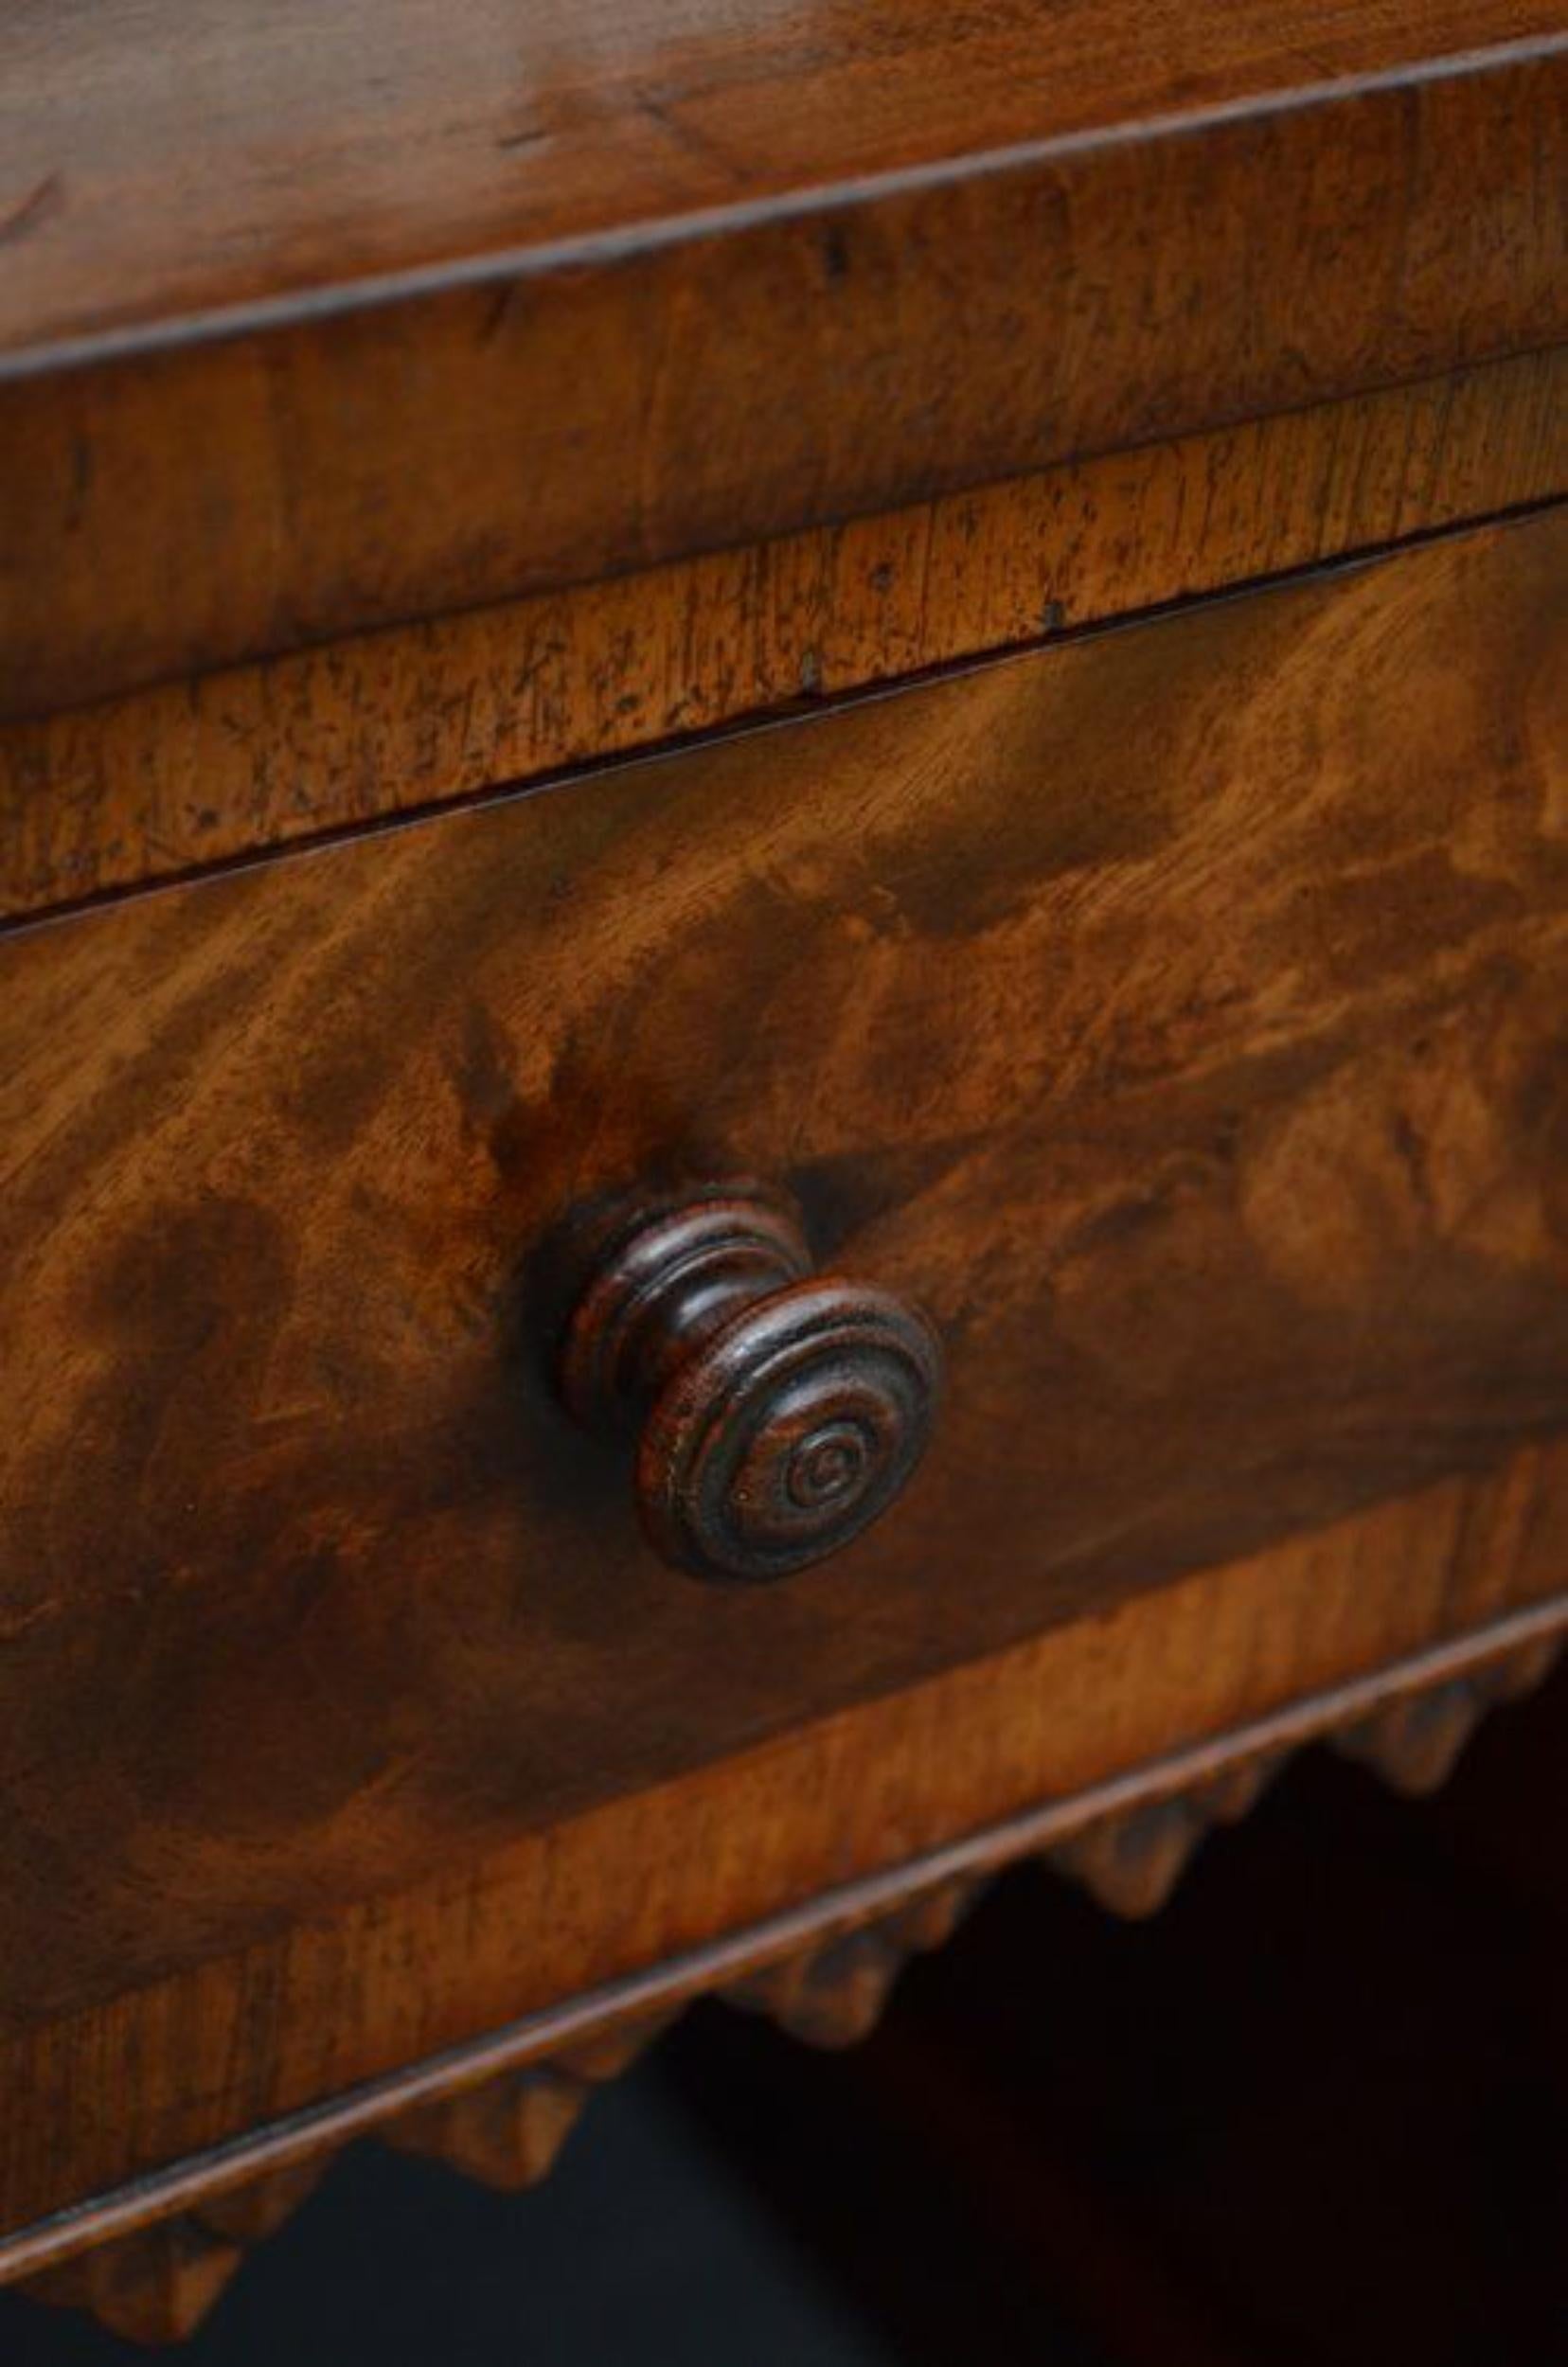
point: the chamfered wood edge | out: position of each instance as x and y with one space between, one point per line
510 260
167 783
823 1969
147 487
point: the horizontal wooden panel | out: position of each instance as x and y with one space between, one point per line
1181 1016
372 140
646 1902
190 774
516 420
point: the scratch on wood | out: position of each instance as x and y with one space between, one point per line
36 209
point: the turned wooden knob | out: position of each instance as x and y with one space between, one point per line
778 1411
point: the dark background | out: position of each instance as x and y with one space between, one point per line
1314 2115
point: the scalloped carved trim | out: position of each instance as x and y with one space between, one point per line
1414 1743
509 2132
833 1994
156 2285
1132 1862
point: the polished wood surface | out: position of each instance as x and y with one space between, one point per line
829 1989
1179 1017
327 2029
1316 2112
1060 1163
371 140
778 1411
200 771
805 267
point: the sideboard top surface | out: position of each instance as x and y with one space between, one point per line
272 155
319 321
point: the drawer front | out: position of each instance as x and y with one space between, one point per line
1180 1018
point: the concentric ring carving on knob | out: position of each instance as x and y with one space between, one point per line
779 1414
789 1433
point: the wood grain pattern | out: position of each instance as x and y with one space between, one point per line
1180 1019
189 774
378 140
234 484
1332 2084
153 2278
157 2284
1180 1015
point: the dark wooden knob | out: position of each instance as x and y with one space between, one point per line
778 1412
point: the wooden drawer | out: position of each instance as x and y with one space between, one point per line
1181 1017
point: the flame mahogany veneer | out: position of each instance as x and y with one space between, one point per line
1093 1114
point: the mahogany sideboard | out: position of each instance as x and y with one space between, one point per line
783 1016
